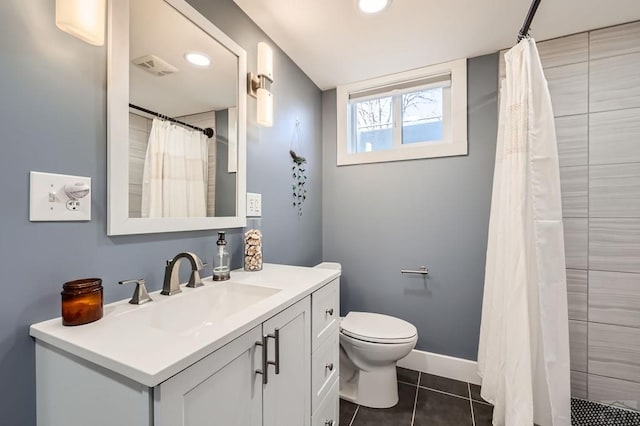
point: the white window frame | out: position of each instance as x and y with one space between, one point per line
454 140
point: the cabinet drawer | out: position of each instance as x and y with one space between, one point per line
325 316
328 413
324 368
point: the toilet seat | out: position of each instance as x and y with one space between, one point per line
377 328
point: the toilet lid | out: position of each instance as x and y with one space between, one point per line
377 328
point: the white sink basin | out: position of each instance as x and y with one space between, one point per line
188 313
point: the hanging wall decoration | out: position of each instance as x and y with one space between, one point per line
298 170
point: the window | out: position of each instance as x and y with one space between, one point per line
415 114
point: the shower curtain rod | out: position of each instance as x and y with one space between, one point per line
209 132
524 31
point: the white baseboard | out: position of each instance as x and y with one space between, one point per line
442 365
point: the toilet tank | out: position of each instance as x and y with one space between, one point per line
329 265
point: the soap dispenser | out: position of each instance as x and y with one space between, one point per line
221 260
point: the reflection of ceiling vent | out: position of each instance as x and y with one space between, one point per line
156 66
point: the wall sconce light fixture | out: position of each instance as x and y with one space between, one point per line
84 19
259 85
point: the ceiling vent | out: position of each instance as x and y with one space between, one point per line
155 65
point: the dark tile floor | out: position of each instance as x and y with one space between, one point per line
431 400
424 400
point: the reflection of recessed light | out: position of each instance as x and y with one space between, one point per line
373 6
198 59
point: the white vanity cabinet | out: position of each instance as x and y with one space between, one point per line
228 387
224 388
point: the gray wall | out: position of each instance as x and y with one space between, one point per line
288 239
53 119
380 218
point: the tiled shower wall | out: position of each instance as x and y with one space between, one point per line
139 130
594 80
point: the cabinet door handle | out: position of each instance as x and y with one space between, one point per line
329 423
264 372
329 311
276 337
329 366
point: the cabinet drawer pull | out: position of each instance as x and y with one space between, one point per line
276 337
329 366
264 364
329 311
329 423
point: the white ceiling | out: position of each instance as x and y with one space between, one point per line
336 44
158 29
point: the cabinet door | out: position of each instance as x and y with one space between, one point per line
287 395
221 389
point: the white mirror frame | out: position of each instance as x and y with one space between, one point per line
119 222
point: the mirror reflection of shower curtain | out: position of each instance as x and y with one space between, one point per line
174 182
523 356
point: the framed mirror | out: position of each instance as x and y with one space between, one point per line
176 120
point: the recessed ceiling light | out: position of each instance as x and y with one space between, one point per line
373 6
198 59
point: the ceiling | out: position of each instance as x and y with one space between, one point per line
334 43
158 29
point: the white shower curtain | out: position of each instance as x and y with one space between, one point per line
523 357
174 182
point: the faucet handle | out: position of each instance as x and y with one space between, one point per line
140 294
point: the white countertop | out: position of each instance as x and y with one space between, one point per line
150 355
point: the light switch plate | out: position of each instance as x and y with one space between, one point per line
48 201
254 204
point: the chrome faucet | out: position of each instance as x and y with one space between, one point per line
171 284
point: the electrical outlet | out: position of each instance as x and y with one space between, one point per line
73 205
254 204
56 197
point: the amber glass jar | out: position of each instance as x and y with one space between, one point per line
81 301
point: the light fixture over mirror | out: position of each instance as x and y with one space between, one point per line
84 19
260 84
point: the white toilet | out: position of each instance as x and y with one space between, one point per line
370 346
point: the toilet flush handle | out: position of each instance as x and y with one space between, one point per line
329 311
